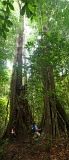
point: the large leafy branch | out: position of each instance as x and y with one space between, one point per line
6 6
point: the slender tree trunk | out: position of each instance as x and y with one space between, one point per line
19 63
53 101
25 51
47 122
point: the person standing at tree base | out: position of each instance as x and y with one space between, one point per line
36 130
13 133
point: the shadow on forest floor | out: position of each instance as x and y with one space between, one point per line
36 149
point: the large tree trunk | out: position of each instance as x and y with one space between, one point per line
50 122
54 116
20 115
47 116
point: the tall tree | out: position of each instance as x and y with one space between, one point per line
43 66
20 114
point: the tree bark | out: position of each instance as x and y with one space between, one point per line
52 99
50 123
47 116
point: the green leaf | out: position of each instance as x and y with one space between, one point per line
0 31
28 12
4 35
23 10
24 1
7 10
3 11
31 8
4 25
31 2
6 17
9 23
11 6
6 29
1 17
4 3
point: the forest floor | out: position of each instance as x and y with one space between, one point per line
38 149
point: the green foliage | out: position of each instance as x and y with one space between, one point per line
7 49
50 50
3 103
5 8
3 73
53 15
35 97
62 90
29 8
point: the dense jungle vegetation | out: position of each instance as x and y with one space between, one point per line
34 79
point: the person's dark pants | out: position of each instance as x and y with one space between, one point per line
14 137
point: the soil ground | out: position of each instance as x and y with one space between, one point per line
35 149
